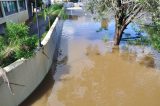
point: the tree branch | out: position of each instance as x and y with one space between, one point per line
131 17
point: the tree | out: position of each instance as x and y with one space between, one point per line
52 12
124 11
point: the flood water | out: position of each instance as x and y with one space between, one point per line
91 72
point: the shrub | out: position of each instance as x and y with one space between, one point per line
16 43
56 6
1 42
51 13
16 31
26 47
154 32
7 56
155 40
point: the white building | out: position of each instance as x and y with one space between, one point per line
13 10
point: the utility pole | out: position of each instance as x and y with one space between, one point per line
37 21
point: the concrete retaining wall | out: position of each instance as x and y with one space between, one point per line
30 72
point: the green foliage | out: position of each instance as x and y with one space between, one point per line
27 47
51 13
43 35
124 11
52 18
16 44
155 40
52 10
154 32
56 12
16 31
57 6
7 55
1 42
63 15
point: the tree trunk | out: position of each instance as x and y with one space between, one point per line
118 36
119 29
119 18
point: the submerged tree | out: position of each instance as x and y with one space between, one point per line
124 11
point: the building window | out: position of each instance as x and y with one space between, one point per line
22 5
1 15
10 7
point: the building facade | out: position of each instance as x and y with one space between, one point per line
18 10
14 11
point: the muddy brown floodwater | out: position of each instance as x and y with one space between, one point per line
94 73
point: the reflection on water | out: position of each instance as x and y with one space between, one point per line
98 75
73 17
104 23
91 72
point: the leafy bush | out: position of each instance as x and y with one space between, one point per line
1 42
155 40
57 6
52 12
14 31
26 47
154 36
16 43
154 31
56 12
7 56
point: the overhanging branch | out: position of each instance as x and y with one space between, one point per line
131 17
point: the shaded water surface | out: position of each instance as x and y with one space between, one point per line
91 72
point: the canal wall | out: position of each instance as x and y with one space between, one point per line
26 74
